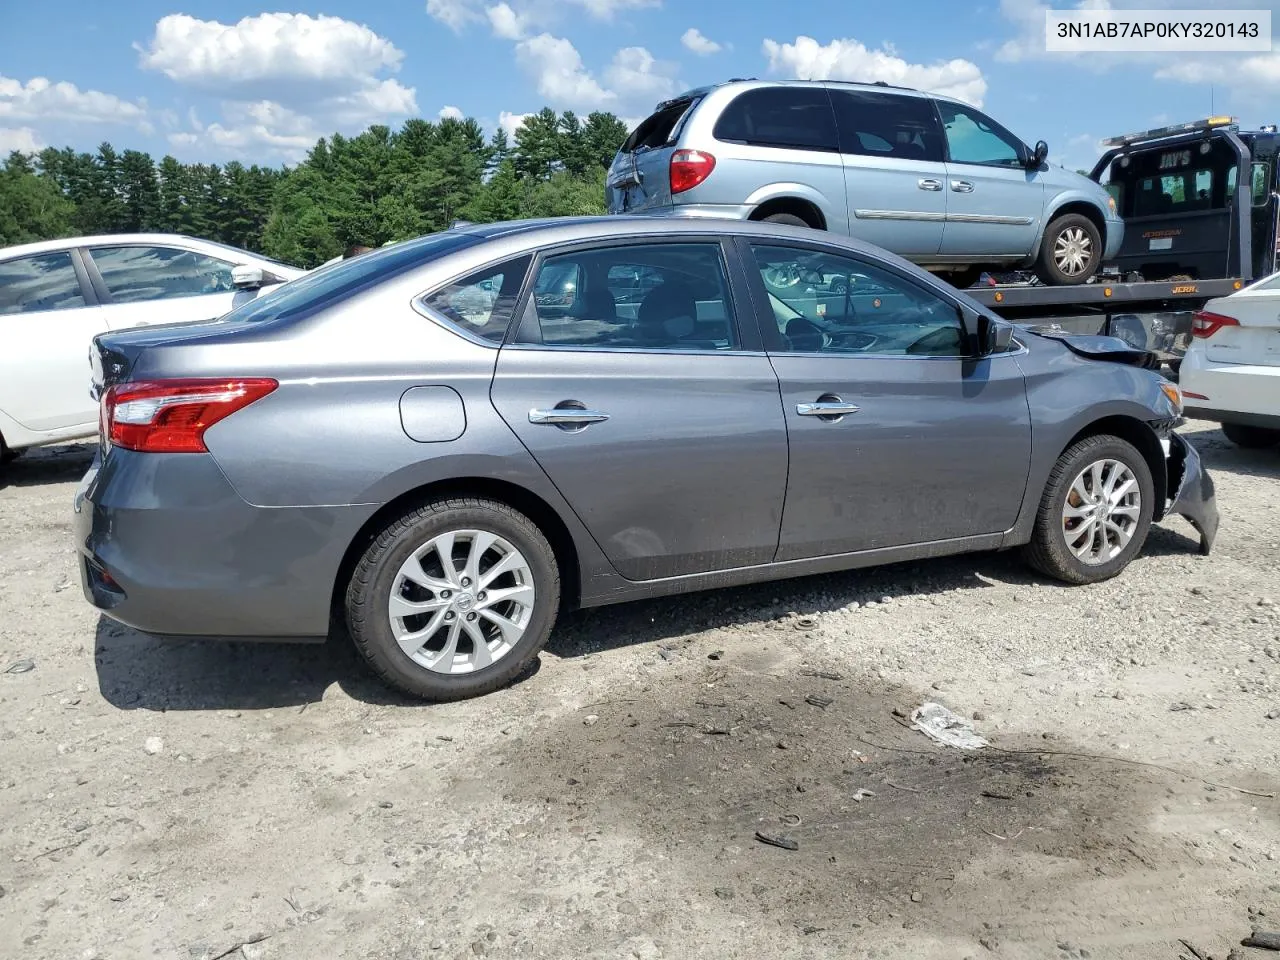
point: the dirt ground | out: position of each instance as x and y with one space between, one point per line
177 800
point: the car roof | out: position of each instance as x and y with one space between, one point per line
107 239
877 86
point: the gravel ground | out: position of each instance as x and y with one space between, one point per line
178 800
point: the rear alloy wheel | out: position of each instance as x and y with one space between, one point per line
1251 438
1071 251
453 599
1095 512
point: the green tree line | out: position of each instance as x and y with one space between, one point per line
382 185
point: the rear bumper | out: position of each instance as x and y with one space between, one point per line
167 547
1191 492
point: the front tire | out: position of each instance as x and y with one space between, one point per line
452 600
1071 252
1095 512
1251 438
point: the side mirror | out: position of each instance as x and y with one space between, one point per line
1039 153
247 277
985 335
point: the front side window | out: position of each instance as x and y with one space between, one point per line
795 117
653 296
481 303
973 137
887 125
828 303
136 274
46 281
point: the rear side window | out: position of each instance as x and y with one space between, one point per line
795 117
136 274
887 125
659 129
481 304
44 282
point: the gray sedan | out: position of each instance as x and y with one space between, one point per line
443 443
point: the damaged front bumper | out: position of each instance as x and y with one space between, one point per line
1189 489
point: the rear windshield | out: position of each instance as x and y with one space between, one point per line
329 285
658 130
1173 180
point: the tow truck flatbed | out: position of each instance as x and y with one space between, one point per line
1009 299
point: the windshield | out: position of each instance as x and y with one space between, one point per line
322 288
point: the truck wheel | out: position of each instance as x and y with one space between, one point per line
1095 512
454 598
1071 252
1251 438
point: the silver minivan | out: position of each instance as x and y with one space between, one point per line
925 176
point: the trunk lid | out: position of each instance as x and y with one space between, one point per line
1256 341
638 179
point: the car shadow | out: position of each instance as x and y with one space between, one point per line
60 463
1219 453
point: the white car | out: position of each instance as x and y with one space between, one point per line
1231 371
56 295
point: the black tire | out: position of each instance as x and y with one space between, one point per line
790 219
1048 551
369 593
1251 438
1047 268
6 454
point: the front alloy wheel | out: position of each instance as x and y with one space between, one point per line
1101 511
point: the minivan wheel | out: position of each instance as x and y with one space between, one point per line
788 218
1071 251
1095 512
453 599
1251 438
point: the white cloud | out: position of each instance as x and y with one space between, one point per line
22 139
450 113
848 59
42 99
511 122
506 23
636 75
1028 18
694 40
454 14
605 9
557 69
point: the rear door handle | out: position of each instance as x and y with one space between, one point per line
929 184
571 415
826 408
962 186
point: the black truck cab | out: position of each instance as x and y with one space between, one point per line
1199 200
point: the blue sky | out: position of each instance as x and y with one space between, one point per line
239 80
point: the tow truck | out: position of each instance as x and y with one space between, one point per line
1199 202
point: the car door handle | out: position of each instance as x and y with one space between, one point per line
962 186
571 415
826 408
928 184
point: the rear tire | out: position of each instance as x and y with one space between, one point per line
790 219
1251 438
432 632
1071 251
1082 533
6 454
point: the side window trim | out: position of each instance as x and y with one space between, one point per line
526 332
763 311
1001 132
92 291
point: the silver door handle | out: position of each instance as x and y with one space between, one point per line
826 408
962 186
929 184
566 415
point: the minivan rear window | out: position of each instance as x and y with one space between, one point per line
658 129
795 117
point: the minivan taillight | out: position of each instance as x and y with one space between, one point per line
689 168
171 416
1205 324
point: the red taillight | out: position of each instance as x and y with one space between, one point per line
689 168
171 416
1205 324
